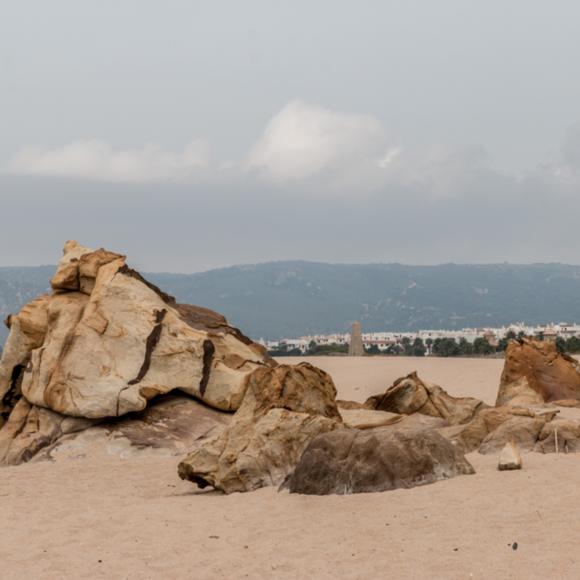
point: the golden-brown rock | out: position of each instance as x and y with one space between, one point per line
283 409
104 344
30 429
550 374
410 395
108 341
27 332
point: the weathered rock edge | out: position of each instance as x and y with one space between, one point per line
103 345
283 409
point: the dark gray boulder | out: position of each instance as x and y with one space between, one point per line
354 461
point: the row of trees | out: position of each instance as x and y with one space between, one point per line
446 347
443 347
312 350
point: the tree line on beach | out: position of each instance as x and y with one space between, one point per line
440 347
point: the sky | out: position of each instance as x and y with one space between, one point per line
193 135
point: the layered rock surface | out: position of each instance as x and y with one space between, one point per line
283 409
466 422
536 371
104 344
410 395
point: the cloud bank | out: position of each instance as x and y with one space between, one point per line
310 150
98 160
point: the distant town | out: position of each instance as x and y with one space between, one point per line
464 342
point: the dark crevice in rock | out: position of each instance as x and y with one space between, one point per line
150 345
198 317
208 353
167 298
205 319
14 392
200 482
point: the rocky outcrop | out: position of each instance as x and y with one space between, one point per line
354 461
410 395
468 423
106 342
550 374
283 409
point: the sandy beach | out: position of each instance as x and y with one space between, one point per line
99 516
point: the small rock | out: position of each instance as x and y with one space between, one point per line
515 546
509 458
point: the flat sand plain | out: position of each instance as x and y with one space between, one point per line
101 516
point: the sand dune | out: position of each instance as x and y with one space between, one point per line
99 516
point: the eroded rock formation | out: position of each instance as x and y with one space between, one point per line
551 375
410 395
105 343
469 423
283 409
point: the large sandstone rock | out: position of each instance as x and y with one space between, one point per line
107 341
409 395
283 409
551 375
355 461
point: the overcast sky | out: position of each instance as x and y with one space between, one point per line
193 135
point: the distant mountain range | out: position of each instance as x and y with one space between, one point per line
279 299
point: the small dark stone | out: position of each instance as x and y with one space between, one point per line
515 546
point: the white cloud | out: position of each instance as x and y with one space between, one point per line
314 151
303 141
97 160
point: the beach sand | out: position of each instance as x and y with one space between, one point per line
101 516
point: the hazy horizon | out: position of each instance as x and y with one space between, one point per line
326 263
